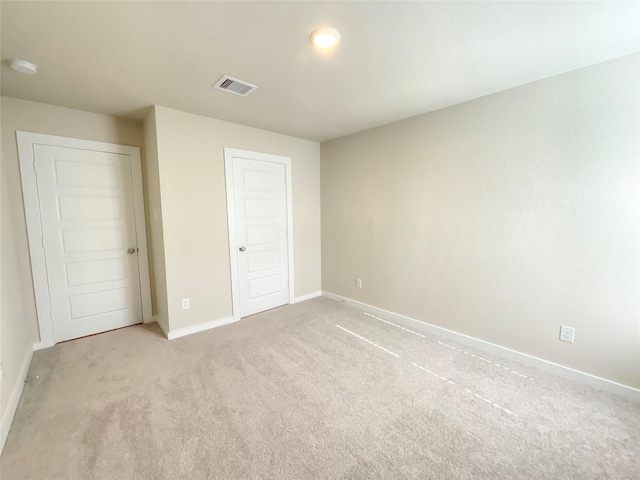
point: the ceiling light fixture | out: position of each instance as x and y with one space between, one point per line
325 37
23 66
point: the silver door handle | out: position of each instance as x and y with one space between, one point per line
131 250
242 249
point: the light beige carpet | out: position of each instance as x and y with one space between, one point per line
287 394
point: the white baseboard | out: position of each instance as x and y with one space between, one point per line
201 327
303 298
14 400
42 345
161 325
157 319
551 367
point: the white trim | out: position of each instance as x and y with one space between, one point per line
229 154
233 243
201 327
34 234
14 400
141 233
25 142
164 326
306 297
41 346
551 367
156 318
289 180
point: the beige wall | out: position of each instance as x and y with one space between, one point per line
194 215
18 323
153 207
501 218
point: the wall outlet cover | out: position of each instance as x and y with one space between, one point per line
567 334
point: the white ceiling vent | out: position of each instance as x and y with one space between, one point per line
233 85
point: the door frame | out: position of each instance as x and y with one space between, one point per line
26 142
229 155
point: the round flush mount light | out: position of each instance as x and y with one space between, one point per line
23 66
325 37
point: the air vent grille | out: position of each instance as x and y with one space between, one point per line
233 85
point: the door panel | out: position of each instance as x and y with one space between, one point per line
263 286
261 229
262 234
76 240
95 271
261 207
105 301
88 224
266 260
88 208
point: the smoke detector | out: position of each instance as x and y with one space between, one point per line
233 85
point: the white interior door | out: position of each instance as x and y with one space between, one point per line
89 239
261 228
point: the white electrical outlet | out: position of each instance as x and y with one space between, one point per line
186 303
358 283
567 334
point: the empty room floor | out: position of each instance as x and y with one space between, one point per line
307 391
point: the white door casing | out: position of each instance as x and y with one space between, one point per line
260 230
84 211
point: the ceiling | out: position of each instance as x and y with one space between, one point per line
395 60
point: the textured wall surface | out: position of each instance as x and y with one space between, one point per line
501 218
194 210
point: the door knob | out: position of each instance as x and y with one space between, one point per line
242 249
131 250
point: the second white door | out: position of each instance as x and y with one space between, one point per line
261 229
